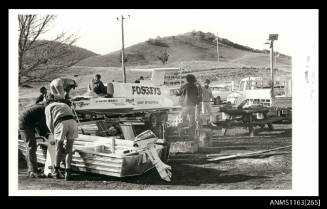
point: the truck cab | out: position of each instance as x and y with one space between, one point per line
257 91
222 89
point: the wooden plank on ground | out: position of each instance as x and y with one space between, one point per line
246 154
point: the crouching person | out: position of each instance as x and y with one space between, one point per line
61 123
31 120
61 87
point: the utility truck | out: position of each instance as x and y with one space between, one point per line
258 91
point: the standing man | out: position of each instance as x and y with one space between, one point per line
30 120
41 98
199 103
61 87
61 123
189 99
206 96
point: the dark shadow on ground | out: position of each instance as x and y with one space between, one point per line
244 131
286 132
183 175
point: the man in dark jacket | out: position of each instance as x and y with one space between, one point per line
189 98
97 86
31 119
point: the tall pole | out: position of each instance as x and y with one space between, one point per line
272 66
272 38
122 49
180 72
217 49
275 58
180 79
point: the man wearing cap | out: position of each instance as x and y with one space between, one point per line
32 119
41 98
61 123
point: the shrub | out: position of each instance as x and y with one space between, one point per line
163 57
125 57
157 42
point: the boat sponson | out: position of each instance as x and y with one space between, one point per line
105 164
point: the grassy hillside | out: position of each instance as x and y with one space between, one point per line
52 57
73 52
193 46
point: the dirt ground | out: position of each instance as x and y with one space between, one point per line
270 172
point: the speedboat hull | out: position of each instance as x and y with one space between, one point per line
126 160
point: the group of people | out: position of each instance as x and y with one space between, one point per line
194 99
53 114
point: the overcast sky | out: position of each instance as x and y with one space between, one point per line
100 31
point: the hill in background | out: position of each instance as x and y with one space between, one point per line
74 52
192 46
53 57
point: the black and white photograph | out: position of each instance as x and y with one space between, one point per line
217 102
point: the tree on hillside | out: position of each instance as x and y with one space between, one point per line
40 58
163 57
125 57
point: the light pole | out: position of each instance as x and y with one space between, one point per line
272 38
217 49
276 55
122 49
